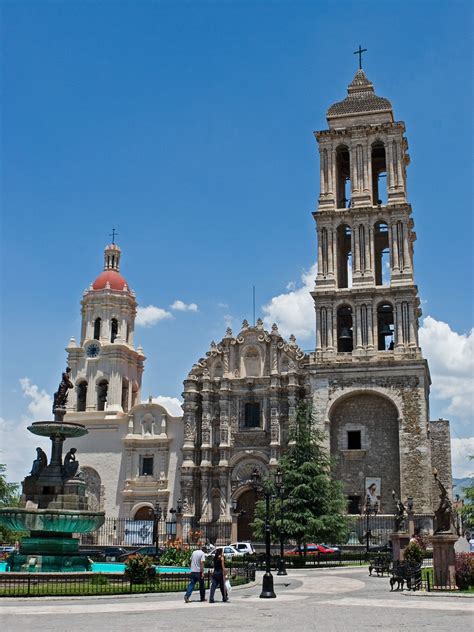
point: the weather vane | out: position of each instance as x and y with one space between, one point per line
113 234
359 52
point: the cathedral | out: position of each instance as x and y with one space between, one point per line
366 379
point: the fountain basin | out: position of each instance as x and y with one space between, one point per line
51 520
61 429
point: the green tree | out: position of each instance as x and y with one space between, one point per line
314 506
467 511
9 497
9 492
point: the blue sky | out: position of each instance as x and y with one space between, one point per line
188 126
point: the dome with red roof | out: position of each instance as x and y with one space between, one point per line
113 278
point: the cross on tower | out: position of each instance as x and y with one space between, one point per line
359 52
113 234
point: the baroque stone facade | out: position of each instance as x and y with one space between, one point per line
239 405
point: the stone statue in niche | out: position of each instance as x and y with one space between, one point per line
163 421
148 425
39 463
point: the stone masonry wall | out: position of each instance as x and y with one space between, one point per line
379 457
440 438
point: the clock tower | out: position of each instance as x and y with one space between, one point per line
106 369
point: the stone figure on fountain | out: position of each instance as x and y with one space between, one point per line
70 465
39 463
60 397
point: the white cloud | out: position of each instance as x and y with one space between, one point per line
228 320
294 311
180 306
41 403
150 315
451 360
18 444
223 305
172 404
461 450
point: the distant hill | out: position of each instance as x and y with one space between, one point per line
459 484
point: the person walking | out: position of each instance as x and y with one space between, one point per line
219 576
197 574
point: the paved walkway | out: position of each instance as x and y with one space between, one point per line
330 600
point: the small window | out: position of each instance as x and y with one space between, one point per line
113 329
147 466
353 504
252 415
353 440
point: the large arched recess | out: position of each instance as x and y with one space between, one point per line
364 436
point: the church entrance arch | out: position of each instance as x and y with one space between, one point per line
144 513
246 507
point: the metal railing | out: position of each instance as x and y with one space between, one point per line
62 584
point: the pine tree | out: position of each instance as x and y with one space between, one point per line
314 506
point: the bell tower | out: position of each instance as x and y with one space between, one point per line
366 300
369 381
106 367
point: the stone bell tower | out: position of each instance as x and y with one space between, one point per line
369 380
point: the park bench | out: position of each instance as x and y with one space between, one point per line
380 564
405 572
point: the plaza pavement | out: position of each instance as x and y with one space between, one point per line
318 599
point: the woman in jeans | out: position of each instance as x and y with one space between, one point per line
219 576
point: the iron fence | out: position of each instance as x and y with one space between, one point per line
60 584
127 532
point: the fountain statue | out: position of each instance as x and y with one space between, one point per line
54 503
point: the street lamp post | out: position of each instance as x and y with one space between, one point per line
267 583
281 491
369 509
157 513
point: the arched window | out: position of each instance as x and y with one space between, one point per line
345 334
97 324
379 174
343 177
125 390
344 256
385 329
102 389
128 333
113 329
81 396
134 394
324 251
382 254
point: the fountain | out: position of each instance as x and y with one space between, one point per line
54 504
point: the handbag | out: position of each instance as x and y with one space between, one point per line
228 586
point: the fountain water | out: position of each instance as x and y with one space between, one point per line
54 503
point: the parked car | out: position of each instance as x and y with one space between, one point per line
335 549
112 553
96 555
143 550
311 549
7 548
381 548
229 552
245 548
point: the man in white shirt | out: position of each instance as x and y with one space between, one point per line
197 574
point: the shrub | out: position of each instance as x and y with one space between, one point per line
413 553
99 580
464 570
175 556
139 568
